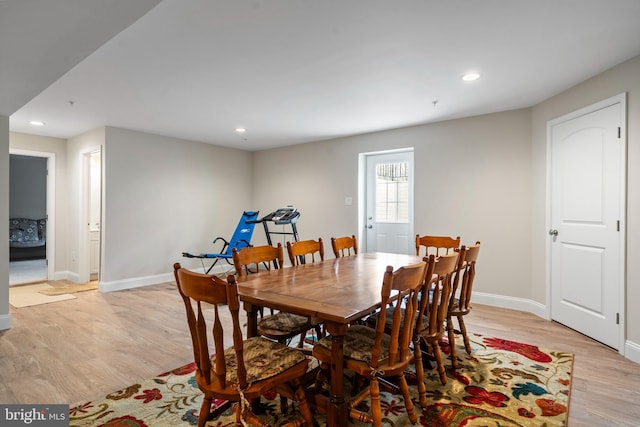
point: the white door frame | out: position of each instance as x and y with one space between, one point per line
617 99
51 205
84 247
362 195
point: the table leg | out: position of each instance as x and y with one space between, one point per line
337 410
252 319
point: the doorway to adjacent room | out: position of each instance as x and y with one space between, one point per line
31 201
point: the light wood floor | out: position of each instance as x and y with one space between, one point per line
83 349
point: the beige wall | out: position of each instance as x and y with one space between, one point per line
164 196
5 317
622 78
472 178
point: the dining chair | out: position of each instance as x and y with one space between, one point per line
436 244
280 326
344 246
375 354
302 252
460 301
299 251
244 371
255 256
430 326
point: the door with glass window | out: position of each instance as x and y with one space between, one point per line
389 204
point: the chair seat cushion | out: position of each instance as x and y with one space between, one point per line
285 322
359 342
263 359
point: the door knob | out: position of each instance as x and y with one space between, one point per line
369 226
553 233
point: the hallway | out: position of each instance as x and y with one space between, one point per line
27 271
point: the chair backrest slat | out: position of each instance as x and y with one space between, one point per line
300 250
344 246
245 258
436 245
468 272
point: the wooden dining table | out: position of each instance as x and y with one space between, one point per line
335 291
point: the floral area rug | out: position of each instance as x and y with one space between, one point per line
502 383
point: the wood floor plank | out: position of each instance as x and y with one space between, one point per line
82 349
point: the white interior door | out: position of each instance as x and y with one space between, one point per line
389 203
91 216
586 219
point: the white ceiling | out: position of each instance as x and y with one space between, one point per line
294 71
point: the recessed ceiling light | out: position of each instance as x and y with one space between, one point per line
241 130
36 123
469 77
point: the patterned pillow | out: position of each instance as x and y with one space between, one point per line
23 230
16 235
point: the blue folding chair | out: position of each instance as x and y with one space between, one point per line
241 239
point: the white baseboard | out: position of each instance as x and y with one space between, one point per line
5 322
514 303
119 285
632 351
66 275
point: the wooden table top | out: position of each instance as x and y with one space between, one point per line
338 290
